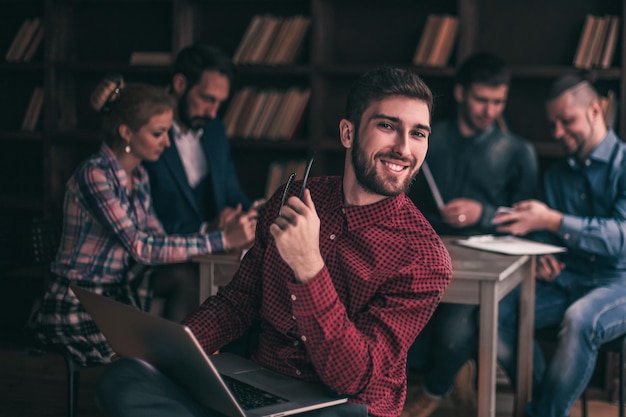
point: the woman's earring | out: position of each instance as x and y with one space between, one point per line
127 148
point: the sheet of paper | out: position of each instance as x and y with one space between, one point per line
509 245
433 186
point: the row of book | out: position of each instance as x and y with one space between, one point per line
33 111
268 114
279 172
437 41
150 58
271 40
26 41
597 42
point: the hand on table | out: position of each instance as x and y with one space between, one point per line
462 212
528 216
239 228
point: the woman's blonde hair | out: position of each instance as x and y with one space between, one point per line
130 104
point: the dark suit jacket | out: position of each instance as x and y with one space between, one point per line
173 198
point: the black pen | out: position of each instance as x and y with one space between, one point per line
306 176
286 191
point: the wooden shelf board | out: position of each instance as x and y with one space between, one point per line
274 69
76 137
354 70
21 135
14 202
93 67
285 144
557 71
22 66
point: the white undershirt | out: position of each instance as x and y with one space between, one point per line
191 153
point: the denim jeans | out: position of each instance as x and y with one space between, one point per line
445 344
587 318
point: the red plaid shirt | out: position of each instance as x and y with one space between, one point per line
351 325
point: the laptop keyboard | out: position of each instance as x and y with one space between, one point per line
250 397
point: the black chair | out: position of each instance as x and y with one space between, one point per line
615 346
72 371
618 345
27 247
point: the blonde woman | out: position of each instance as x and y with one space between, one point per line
112 240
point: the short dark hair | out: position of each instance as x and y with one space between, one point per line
384 82
565 83
193 60
483 68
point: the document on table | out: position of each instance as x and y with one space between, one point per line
509 245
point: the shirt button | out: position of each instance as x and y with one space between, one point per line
332 237
343 210
298 372
587 162
566 236
583 196
293 317
296 343
293 297
303 338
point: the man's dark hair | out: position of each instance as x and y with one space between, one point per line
193 60
483 68
381 83
568 82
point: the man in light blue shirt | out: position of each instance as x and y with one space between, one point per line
583 291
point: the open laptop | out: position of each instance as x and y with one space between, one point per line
227 383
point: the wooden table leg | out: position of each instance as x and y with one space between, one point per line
207 279
487 344
525 335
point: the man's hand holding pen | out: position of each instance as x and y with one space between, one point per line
296 232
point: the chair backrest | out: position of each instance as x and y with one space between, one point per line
45 236
28 243
27 247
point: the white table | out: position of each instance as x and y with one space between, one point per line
215 271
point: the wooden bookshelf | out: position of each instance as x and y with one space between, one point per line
85 39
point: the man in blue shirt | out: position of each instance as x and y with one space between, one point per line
478 167
583 291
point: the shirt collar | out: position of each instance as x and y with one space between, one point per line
179 135
601 153
359 217
109 156
477 137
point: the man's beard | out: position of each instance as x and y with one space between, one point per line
193 123
469 121
576 150
369 179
